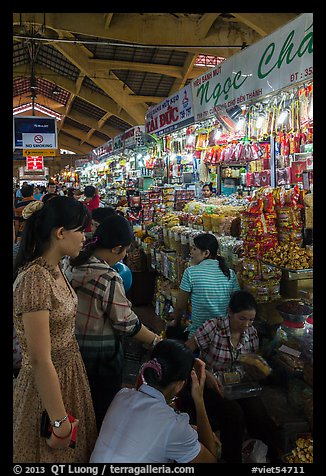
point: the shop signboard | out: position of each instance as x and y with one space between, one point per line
118 143
133 137
102 151
173 113
34 162
275 62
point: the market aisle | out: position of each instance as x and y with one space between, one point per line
135 353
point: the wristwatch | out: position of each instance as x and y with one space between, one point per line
57 423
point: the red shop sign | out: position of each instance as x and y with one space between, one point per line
34 162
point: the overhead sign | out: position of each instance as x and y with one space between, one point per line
39 141
102 151
43 152
34 126
34 163
172 114
133 137
118 143
279 60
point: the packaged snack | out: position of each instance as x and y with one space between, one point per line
255 365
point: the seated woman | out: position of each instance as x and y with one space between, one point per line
140 426
220 342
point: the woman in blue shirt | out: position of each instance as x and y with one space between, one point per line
209 284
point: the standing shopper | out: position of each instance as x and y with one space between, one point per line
52 376
27 197
141 427
104 313
209 284
92 201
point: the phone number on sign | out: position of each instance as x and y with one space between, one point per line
298 76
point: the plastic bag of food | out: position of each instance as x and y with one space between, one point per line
254 451
256 367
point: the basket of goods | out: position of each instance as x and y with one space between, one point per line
294 311
303 452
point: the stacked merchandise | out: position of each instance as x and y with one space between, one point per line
289 220
308 202
149 200
182 197
258 224
261 280
168 196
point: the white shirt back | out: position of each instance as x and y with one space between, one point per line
139 427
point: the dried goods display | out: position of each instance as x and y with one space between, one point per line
290 256
303 452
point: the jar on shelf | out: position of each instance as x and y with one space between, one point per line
289 330
309 326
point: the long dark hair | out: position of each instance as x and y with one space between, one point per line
207 241
60 211
176 361
114 230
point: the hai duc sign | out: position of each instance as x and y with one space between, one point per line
277 61
173 113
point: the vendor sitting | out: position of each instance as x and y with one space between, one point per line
220 342
207 190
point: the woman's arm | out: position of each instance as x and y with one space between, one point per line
147 337
192 344
180 306
123 318
208 452
37 333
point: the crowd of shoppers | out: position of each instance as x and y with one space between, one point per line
70 316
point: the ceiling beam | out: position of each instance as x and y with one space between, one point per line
112 86
69 143
187 68
167 70
93 97
143 29
205 23
92 123
108 19
264 23
79 134
109 65
79 83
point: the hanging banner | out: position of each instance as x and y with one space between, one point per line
118 143
102 151
275 62
133 137
34 162
172 114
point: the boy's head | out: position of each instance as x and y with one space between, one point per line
99 215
